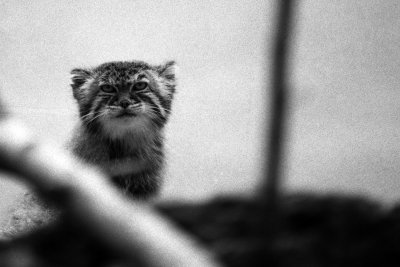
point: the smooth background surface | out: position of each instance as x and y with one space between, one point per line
344 133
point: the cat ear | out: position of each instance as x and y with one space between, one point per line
168 70
79 78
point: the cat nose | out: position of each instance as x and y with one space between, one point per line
124 103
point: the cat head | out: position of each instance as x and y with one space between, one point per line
118 98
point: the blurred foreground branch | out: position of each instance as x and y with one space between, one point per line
133 230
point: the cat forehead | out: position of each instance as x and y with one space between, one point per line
117 72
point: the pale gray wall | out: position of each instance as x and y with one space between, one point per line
344 114
346 111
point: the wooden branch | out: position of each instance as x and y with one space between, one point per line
132 228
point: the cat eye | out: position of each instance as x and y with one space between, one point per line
106 88
140 86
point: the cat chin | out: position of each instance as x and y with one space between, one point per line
120 127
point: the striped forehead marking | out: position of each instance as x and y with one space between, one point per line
116 76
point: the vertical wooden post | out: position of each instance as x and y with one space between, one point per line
279 100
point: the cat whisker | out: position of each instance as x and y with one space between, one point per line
84 117
95 117
167 110
152 111
154 108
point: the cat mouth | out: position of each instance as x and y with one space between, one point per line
126 114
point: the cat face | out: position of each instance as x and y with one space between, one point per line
122 97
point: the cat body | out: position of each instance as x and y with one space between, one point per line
133 165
